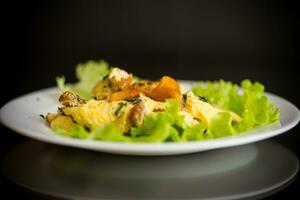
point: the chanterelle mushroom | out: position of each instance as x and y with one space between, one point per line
69 99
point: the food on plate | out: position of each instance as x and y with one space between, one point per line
110 104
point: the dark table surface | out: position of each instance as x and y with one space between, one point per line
10 139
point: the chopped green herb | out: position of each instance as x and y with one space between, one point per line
134 101
105 77
42 116
184 97
201 98
120 106
141 84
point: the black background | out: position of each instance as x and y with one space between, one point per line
206 40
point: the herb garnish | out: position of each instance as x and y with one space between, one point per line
134 101
141 84
202 98
184 97
60 109
120 106
42 116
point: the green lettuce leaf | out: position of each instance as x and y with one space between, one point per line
258 109
76 131
108 132
88 74
194 133
250 103
221 125
166 126
222 93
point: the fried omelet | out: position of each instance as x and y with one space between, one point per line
119 100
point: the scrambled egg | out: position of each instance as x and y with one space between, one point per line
131 103
203 110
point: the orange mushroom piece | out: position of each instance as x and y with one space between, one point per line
124 94
145 86
167 88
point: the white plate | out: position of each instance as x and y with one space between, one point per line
22 116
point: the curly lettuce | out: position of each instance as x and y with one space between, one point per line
88 74
75 131
167 126
250 103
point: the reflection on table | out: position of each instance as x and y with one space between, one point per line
235 172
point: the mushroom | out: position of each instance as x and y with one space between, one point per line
69 99
137 114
